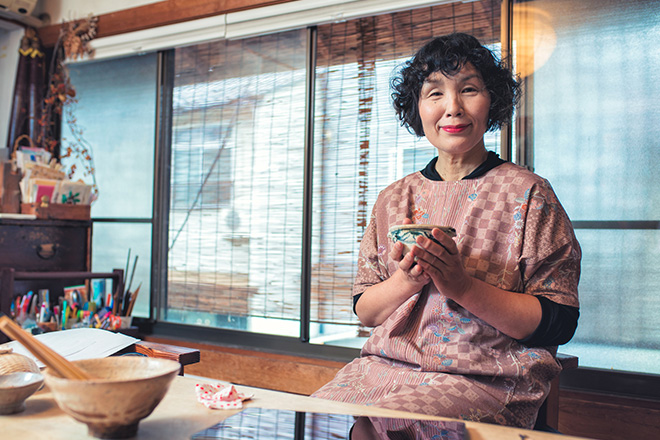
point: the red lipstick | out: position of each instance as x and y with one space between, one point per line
455 128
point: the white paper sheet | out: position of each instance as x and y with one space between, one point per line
78 343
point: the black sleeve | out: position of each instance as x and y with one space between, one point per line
557 326
355 300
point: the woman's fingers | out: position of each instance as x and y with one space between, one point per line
445 241
407 261
397 251
440 257
442 243
416 271
442 264
432 265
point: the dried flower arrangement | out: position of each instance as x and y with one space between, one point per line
72 43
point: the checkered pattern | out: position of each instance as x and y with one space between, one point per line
433 356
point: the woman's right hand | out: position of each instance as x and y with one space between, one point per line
379 301
412 272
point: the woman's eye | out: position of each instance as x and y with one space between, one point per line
470 90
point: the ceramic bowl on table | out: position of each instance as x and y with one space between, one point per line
407 234
123 391
15 388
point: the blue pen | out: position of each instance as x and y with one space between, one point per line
65 308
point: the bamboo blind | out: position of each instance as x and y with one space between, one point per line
360 148
237 160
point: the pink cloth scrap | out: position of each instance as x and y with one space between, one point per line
220 396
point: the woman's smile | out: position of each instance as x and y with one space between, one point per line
455 128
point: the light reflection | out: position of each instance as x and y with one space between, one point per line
534 38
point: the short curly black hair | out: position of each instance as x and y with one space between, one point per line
448 54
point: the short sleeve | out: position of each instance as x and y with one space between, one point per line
370 268
551 253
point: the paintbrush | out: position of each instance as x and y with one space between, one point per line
128 288
132 301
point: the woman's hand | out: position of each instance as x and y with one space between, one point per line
379 301
514 314
412 272
440 263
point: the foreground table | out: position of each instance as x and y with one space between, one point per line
179 416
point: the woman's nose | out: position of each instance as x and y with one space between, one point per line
454 106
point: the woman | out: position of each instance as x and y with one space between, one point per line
465 327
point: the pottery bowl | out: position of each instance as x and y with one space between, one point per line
123 391
15 388
407 234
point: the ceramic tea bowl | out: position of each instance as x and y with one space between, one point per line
407 234
125 390
15 388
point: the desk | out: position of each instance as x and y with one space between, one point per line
179 416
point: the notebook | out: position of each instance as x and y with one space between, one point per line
273 424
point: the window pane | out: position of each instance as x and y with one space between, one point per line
235 233
111 243
116 111
359 145
619 326
595 139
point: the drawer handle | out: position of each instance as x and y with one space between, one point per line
47 251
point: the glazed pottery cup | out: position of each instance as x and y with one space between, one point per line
407 234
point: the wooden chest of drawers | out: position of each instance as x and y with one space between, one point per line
42 246
45 245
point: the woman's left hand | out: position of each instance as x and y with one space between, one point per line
514 314
443 264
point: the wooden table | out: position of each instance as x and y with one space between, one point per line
179 416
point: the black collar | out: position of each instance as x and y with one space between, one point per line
491 162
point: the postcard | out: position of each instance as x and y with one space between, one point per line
39 188
73 193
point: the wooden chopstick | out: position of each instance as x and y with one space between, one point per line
49 357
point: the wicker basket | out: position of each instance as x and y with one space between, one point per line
14 362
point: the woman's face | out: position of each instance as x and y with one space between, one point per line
454 111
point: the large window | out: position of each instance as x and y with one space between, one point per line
593 112
235 226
